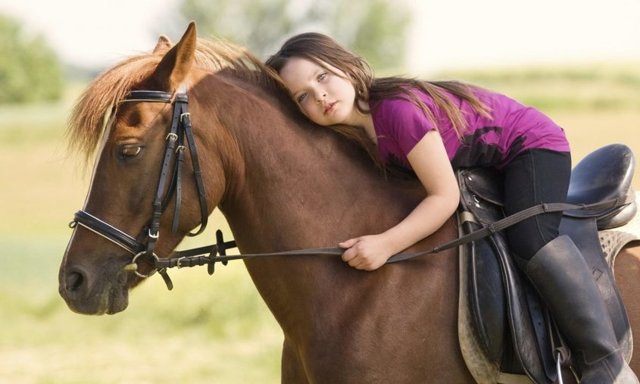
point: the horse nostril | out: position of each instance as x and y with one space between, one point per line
74 281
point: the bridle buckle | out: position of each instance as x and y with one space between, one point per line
153 235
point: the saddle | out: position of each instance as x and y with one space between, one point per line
506 333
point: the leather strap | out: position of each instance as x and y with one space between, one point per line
185 118
509 221
209 254
164 188
107 231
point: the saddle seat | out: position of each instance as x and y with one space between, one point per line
506 335
604 174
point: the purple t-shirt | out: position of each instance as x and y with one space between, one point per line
494 141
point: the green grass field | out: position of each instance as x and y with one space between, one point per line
209 329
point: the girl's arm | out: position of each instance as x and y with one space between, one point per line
431 164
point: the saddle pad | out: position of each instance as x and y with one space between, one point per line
613 240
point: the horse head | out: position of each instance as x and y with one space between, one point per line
140 101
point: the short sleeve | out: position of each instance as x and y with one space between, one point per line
403 122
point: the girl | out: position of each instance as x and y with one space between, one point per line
432 128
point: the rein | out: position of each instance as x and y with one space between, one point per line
169 185
214 253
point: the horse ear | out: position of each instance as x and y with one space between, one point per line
176 63
163 44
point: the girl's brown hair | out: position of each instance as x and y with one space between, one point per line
322 50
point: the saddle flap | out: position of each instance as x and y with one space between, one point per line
485 296
500 307
481 184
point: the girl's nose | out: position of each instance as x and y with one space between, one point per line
320 96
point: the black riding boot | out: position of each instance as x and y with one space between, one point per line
562 278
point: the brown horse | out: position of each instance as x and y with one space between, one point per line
282 183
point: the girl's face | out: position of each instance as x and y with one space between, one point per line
326 97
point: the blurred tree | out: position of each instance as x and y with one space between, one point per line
29 68
374 29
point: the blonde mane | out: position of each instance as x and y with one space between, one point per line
86 123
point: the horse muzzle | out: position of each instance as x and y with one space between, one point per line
94 294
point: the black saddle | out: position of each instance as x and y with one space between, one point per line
509 321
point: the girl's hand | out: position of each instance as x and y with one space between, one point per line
366 252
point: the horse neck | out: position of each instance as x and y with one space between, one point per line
295 185
299 186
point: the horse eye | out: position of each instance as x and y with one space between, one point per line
130 151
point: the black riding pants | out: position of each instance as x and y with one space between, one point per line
533 177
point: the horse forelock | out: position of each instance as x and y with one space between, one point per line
86 123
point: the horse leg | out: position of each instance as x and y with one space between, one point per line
627 271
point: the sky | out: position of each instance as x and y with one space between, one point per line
446 34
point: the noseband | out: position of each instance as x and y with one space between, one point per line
169 185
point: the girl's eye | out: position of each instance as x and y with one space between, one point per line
322 76
301 98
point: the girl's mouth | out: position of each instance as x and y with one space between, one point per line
329 107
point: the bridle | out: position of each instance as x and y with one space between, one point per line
169 185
